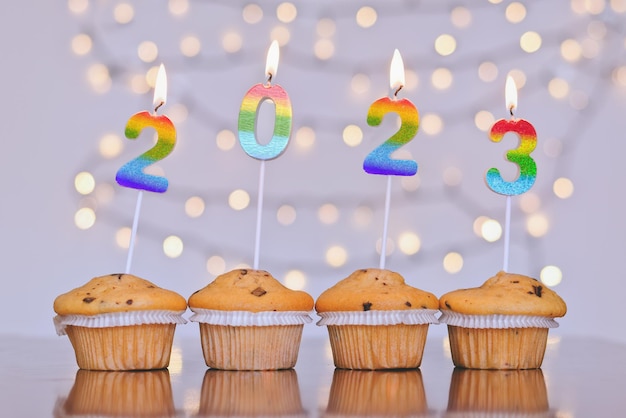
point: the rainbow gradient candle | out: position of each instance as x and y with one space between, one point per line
379 161
519 156
132 173
248 113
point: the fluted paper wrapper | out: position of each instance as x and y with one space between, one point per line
373 317
247 319
118 319
496 321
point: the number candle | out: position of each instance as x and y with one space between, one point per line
520 156
379 161
132 173
247 129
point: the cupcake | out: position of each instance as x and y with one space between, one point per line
502 324
118 394
378 393
498 393
120 322
250 321
251 393
376 321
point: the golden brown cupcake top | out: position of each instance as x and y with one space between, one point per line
374 289
506 294
249 290
117 293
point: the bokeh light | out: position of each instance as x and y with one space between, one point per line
551 275
453 262
238 199
336 256
173 246
194 207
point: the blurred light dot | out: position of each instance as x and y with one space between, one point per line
286 12
138 84
571 50
409 243
495 1
178 113
441 78
104 193
537 225
225 139
578 99
453 262
281 34
252 13
194 207
110 146
240 266
81 44
483 120
325 27
551 275
305 137
452 176
618 6
558 88
461 17
366 17
431 124
445 44
324 48
487 71
477 226
530 42
77 6
84 182
173 246
239 199
410 183
178 7
286 215
515 12
563 188
594 7
590 48
328 214
519 77
190 46
619 76
411 79
122 237
529 202
352 135
362 217
98 77
84 218
336 256
295 280
216 265
553 147
491 230
360 83
123 13
232 42
147 51
389 249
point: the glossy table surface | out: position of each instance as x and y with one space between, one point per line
579 378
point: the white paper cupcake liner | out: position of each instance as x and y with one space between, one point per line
496 321
118 319
250 319
407 317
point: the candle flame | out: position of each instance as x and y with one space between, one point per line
160 88
271 64
396 72
510 94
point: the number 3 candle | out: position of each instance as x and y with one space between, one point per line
379 161
520 156
247 129
132 173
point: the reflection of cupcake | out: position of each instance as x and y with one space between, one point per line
120 322
250 393
250 321
376 321
377 393
498 393
118 394
502 324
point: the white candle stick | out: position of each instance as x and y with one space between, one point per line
507 234
383 245
259 213
133 232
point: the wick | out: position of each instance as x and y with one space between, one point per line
269 78
395 94
158 106
511 111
